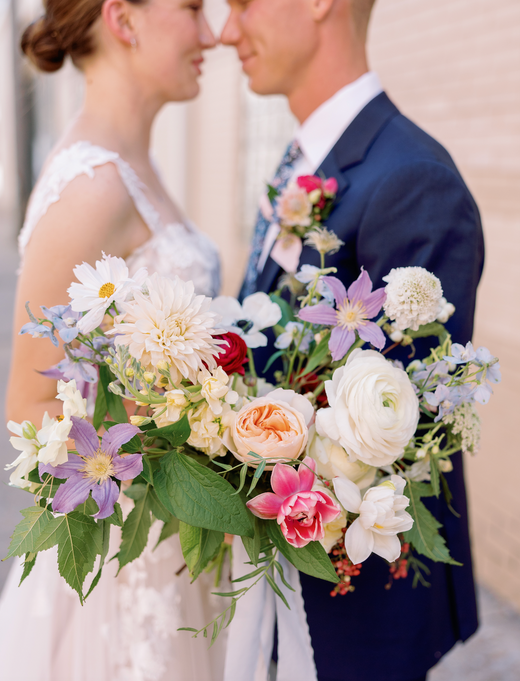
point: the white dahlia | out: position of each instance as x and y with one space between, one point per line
169 323
413 297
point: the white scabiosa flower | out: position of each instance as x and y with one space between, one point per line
108 283
169 323
413 297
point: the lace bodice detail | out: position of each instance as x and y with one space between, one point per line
173 249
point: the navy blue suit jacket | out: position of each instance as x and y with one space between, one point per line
401 202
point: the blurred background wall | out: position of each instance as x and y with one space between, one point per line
452 66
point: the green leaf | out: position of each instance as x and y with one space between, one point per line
199 547
133 446
75 535
169 529
117 516
318 356
29 530
424 534
273 359
199 496
274 586
287 311
30 560
105 529
176 433
252 544
426 330
157 508
272 193
114 403
148 470
135 532
100 410
434 476
136 491
311 559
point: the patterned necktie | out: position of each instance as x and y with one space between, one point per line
280 180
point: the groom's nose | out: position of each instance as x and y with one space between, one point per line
231 33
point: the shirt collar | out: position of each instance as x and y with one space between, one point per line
320 132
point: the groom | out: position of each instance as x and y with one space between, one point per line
401 202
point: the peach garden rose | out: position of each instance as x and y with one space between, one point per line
274 427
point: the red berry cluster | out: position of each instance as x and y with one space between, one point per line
399 568
345 569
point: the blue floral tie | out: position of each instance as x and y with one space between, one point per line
280 180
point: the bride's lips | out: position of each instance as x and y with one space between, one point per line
197 63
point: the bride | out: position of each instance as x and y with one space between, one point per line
98 191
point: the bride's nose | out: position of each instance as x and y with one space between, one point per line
231 32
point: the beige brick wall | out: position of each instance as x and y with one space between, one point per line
453 66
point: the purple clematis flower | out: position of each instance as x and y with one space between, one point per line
95 467
354 309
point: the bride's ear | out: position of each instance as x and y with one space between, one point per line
119 21
321 8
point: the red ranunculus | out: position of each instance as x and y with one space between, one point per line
233 354
309 183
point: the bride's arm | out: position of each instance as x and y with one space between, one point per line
92 215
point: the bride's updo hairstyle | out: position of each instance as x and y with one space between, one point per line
63 30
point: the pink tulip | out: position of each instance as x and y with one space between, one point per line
300 511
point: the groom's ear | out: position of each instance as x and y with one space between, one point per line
118 20
321 8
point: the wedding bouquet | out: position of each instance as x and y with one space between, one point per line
325 465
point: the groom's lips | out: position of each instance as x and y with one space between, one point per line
246 59
197 63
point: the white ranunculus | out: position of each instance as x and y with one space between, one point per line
413 297
381 518
332 460
373 411
256 313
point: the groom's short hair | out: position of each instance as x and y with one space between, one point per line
361 11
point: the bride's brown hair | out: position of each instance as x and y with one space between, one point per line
63 30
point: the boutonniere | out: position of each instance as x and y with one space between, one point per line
300 210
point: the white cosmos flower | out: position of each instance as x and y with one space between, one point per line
381 518
256 313
98 288
169 323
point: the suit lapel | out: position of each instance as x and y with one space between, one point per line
350 150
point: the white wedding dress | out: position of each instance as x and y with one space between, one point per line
127 630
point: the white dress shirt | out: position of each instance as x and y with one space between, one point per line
320 132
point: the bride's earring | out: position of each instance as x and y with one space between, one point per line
133 43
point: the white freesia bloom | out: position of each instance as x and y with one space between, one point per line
413 297
214 387
25 441
73 401
332 460
207 429
256 313
292 333
373 411
169 323
381 518
108 283
176 403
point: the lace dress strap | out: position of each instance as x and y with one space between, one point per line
81 158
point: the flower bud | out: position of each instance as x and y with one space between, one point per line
445 465
149 377
138 421
115 388
315 196
129 372
108 360
29 430
163 365
420 453
435 450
